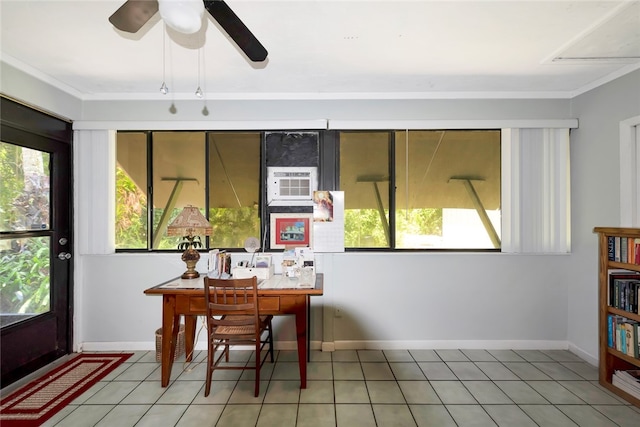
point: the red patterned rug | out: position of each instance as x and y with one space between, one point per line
41 399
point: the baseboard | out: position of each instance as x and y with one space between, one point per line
589 358
370 345
375 345
328 346
151 346
452 344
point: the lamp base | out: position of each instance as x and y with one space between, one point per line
190 275
190 257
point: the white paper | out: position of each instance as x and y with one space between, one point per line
328 236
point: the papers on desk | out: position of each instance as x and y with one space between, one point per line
283 282
185 284
277 281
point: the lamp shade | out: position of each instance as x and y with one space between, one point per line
189 222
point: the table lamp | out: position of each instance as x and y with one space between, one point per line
190 224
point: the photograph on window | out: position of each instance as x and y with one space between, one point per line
322 206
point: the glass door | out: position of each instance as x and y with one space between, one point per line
35 241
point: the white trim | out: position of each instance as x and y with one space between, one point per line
591 359
328 346
510 196
39 75
358 345
450 124
201 125
376 345
336 96
322 124
199 345
630 172
449 344
604 80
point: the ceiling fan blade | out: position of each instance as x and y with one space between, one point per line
133 14
236 29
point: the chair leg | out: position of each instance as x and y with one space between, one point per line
210 357
258 359
270 341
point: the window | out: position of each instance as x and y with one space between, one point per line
234 188
365 181
446 182
520 178
131 190
215 170
487 189
178 179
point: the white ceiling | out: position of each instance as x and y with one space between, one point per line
332 49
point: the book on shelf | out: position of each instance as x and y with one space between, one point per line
624 290
628 380
622 335
630 347
625 386
623 249
632 376
610 330
611 248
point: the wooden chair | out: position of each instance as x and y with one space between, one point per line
233 319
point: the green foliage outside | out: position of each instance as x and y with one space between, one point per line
24 263
131 213
11 184
25 277
363 227
230 226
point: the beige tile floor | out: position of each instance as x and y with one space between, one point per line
366 388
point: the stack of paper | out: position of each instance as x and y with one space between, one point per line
628 381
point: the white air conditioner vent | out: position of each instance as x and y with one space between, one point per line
291 185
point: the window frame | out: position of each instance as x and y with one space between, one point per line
95 143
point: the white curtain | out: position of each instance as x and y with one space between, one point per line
536 198
95 181
630 172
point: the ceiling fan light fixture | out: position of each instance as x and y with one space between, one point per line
184 16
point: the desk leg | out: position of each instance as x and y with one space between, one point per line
301 335
170 327
189 335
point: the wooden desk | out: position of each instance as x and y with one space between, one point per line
189 302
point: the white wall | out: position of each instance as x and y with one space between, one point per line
417 300
385 300
595 201
437 300
283 110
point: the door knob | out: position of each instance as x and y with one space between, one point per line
64 255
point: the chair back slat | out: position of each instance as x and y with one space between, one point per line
231 297
233 318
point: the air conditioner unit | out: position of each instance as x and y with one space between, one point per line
291 186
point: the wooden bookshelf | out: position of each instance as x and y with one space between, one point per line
610 358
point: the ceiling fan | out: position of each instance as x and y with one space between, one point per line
185 16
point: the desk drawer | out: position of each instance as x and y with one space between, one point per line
267 303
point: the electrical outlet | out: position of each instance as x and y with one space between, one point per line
337 311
